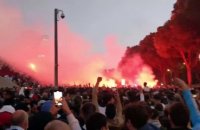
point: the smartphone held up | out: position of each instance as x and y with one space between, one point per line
58 98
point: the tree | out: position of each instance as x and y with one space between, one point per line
178 41
159 64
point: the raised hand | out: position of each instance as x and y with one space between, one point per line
54 110
65 107
99 79
180 83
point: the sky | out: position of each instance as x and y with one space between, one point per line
128 20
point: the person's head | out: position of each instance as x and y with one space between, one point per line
8 94
46 106
39 120
110 111
133 96
178 115
136 115
22 106
77 101
34 107
97 121
67 96
5 119
45 96
57 125
145 84
105 98
87 110
20 118
8 97
154 114
159 107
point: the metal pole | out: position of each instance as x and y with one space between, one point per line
56 49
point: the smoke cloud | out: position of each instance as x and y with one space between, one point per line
29 51
136 71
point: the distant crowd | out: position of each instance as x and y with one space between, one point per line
100 108
29 106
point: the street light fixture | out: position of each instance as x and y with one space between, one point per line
168 70
57 15
199 57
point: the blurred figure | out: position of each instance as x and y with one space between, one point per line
97 121
39 120
190 103
114 113
146 88
136 117
7 109
19 120
86 111
57 125
178 116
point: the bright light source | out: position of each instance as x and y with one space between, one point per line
123 82
109 83
32 66
168 70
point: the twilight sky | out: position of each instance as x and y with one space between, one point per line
128 20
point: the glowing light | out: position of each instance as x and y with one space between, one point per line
146 75
123 82
135 85
109 83
32 66
168 70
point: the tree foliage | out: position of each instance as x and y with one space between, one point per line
175 44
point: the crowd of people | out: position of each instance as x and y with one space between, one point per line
100 108
29 106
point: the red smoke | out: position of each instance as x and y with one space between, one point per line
136 72
29 51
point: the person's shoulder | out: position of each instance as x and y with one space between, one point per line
149 126
196 127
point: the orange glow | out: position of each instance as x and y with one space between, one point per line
123 82
109 83
32 67
146 75
168 70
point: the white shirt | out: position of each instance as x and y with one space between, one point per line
102 110
73 122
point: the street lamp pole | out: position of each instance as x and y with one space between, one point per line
56 12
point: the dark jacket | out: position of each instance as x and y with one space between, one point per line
179 129
148 127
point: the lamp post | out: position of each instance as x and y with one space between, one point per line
170 75
56 19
